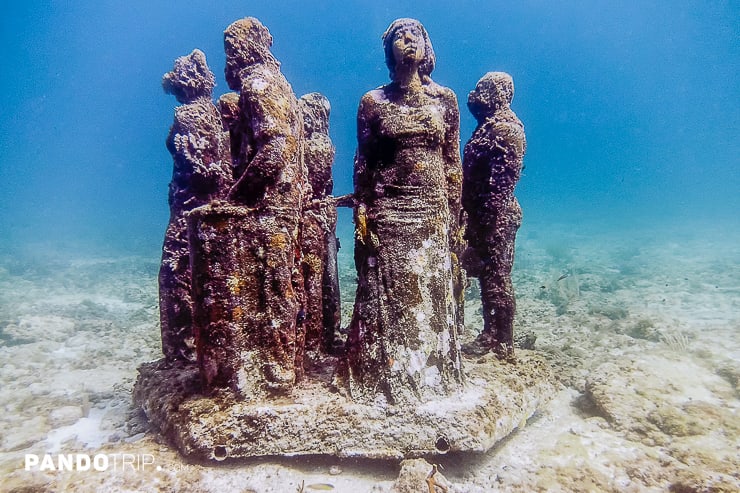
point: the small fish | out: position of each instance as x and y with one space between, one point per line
320 486
567 274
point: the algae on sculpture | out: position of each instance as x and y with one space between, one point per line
492 164
247 284
318 230
202 172
270 377
403 341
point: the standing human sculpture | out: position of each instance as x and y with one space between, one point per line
403 341
492 165
202 172
318 229
245 250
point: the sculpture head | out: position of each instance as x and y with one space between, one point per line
493 91
419 39
316 110
246 42
228 106
190 78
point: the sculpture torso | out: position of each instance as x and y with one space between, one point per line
493 160
271 131
403 340
404 145
202 168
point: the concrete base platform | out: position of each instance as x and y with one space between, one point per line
316 419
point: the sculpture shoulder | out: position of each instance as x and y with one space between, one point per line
267 102
508 133
447 100
372 99
446 95
261 80
510 126
507 125
370 105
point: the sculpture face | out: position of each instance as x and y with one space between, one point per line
408 45
494 90
246 42
406 39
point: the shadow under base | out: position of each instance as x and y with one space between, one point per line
316 419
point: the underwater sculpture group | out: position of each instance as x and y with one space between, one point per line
249 297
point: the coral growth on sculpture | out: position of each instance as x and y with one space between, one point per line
245 251
492 164
202 173
319 230
403 341
249 284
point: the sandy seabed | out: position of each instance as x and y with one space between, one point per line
642 327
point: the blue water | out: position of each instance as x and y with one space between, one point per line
631 229
631 111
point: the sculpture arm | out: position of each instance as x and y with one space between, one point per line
266 163
364 161
275 143
453 167
469 186
510 138
364 165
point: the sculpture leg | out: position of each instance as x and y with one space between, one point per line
497 291
499 306
175 304
403 336
247 298
331 300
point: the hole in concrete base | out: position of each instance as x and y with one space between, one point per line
220 452
442 445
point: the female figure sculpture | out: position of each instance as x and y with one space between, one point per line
403 342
